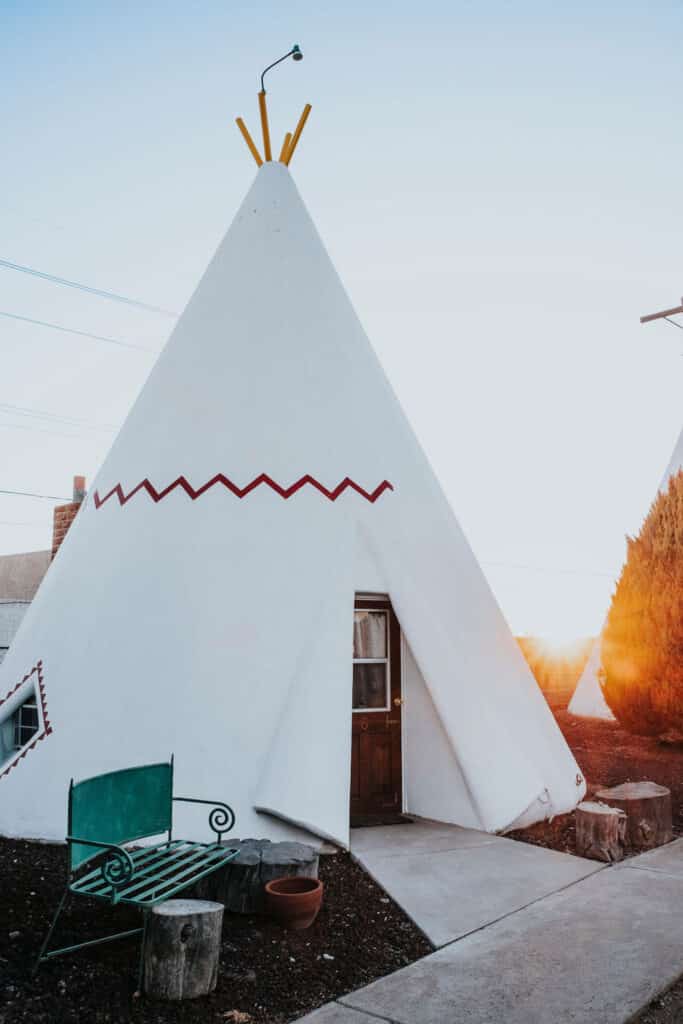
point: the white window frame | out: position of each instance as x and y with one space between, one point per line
19 726
8 710
377 661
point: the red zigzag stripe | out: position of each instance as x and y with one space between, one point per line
241 492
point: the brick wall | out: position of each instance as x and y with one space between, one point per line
64 515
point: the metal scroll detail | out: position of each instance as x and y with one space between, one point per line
118 868
221 817
221 820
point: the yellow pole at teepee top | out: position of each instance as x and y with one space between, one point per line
249 141
264 126
297 133
290 141
285 147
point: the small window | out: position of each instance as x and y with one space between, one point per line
19 727
370 660
25 721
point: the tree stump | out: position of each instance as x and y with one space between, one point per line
600 832
648 810
239 885
182 946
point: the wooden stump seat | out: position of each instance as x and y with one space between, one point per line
648 811
600 832
182 949
240 888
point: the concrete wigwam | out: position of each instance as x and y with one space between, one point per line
203 602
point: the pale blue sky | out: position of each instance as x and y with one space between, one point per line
498 184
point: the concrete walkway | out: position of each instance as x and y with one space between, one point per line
452 881
526 935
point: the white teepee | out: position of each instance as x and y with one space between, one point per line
588 700
203 600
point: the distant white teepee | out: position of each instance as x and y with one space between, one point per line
588 700
265 494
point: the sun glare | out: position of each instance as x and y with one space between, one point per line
559 646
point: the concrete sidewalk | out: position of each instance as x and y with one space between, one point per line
596 949
452 881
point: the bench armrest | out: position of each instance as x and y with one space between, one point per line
221 818
118 868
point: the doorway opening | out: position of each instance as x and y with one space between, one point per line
376 719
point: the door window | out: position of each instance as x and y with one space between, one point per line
370 660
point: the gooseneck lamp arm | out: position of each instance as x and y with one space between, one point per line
291 139
295 53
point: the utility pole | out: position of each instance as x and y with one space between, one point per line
665 314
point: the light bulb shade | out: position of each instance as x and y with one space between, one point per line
296 53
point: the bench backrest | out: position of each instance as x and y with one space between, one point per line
120 806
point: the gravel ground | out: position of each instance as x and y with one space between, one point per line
267 975
607 756
667 1009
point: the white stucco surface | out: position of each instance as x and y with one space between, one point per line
220 628
433 778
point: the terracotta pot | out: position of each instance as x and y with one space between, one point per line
294 902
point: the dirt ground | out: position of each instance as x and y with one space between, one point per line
667 1009
607 756
268 975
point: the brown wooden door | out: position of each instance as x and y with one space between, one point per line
376 786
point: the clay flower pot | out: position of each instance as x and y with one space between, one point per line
294 902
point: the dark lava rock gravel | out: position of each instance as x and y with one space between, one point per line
268 975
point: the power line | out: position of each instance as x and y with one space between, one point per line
34 522
549 569
29 494
78 435
85 288
51 417
70 330
78 428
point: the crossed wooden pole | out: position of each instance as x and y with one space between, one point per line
291 140
664 315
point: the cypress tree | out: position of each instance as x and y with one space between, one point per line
642 650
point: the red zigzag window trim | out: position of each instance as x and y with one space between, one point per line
241 492
37 669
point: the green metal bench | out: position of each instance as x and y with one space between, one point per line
108 811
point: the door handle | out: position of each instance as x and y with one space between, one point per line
398 701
